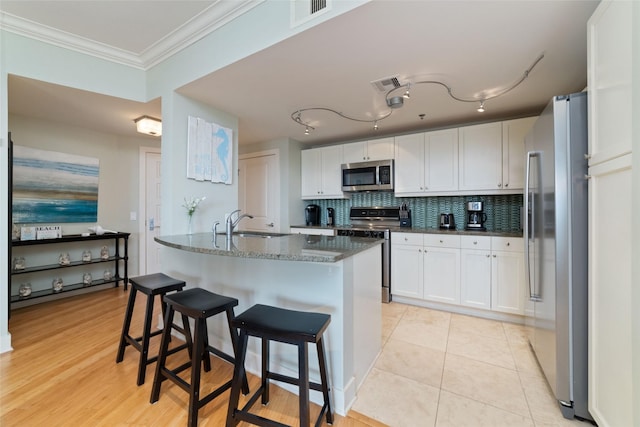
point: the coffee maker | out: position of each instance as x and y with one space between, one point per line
312 215
475 216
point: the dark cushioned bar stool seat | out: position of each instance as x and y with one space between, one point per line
198 304
286 326
151 285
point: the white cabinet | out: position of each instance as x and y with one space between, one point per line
614 331
492 156
321 173
365 151
475 271
442 268
480 165
513 135
426 162
507 275
407 267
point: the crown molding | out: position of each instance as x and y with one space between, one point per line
209 20
215 16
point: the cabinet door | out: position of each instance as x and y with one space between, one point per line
311 173
409 164
380 149
475 280
513 133
480 166
355 152
507 282
442 274
441 160
611 293
407 271
332 172
610 75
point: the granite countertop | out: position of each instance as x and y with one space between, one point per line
290 247
427 230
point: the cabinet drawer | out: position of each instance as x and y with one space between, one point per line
415 239
475 242
442 240
510 244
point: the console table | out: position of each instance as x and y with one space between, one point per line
43 288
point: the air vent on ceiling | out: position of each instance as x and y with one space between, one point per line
388 83
305 10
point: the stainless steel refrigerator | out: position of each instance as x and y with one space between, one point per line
556 248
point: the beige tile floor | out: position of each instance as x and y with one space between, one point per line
442 369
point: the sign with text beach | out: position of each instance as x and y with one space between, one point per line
210 151
52 187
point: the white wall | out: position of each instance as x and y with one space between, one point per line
119 166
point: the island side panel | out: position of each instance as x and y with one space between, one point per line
319 287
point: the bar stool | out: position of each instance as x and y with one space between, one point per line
151 285
286 326
198 304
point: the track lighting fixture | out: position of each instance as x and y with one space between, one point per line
407 95
395 102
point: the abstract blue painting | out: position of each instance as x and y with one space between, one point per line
52 187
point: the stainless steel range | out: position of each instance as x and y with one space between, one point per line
375 222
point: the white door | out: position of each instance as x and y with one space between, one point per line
150 210
259 195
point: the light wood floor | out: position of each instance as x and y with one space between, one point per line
62 372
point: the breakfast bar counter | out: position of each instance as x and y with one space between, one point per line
336 275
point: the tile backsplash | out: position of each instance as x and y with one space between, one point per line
503 211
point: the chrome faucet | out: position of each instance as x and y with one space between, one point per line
231 223
215 228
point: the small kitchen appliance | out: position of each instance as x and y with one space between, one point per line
312 215
447 221
331 215
475 216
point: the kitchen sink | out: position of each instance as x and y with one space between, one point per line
258 234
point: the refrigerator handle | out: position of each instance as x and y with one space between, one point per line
529 224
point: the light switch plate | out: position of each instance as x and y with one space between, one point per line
133 216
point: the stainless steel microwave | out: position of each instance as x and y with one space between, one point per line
367 176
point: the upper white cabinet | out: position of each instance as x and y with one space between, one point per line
513 134
480 166
365 151
610 73
321 173
426 162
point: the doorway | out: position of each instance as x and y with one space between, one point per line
150 220
259 190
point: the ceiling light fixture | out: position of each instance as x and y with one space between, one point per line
407 95
395 102
149 125
307 131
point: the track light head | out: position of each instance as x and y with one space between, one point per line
481 107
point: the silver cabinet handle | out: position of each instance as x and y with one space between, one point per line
270 224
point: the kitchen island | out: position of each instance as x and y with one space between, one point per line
340 276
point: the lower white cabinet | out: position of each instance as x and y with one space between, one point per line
407 266
475 271
442 268
484 272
